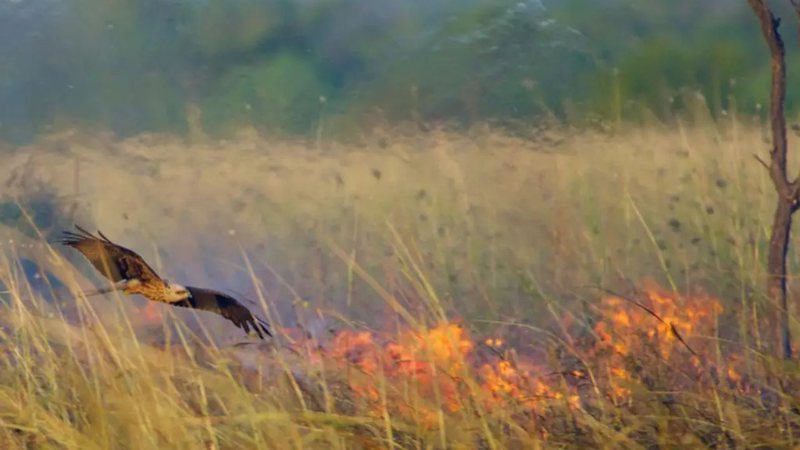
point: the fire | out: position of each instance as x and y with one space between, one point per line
356 348
493 342
683 316
151 313
438 364
421 373
430 360
508 383
662 321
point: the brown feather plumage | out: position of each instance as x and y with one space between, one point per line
118 264
113 261
226 306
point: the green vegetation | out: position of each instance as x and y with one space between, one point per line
136 66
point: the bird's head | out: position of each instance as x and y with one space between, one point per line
177 292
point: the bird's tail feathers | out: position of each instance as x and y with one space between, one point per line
104 290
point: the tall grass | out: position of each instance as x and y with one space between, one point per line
399 232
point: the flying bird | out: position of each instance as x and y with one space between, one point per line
132 275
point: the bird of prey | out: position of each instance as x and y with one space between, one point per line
132 275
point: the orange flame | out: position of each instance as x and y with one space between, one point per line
430 371
151 313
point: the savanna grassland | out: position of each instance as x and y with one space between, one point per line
429 289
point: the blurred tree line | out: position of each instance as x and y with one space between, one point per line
284 65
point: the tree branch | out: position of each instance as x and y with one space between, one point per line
761 161
788 192
769 29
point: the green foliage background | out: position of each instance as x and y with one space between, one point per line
136 65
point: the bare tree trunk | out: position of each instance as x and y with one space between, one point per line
788 191
776 269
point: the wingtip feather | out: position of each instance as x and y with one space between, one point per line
71 238
262 325
104 237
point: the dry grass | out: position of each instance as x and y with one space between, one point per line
400 233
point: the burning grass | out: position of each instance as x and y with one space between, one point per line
642 369
457 272
645 373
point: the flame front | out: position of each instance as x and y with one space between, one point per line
421 374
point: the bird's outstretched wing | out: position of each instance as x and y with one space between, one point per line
226 306
113 261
